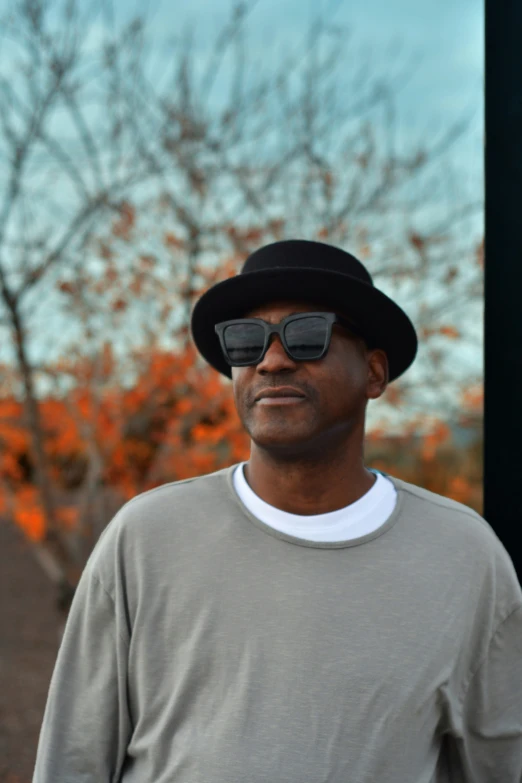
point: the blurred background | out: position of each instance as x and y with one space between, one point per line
146 149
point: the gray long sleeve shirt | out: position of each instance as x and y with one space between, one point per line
203 646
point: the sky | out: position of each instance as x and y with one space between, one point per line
437 43
444 38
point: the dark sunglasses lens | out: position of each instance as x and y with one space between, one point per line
244 342
306 337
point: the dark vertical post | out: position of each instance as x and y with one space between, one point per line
503 276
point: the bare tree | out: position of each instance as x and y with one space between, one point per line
309 143
67 161
304 143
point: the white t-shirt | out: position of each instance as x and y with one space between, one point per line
359 518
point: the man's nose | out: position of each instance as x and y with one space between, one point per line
276 358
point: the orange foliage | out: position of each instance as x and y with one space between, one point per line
473 398
67 516
276 228
176 421
119 305
122 227
28 513
105 251
416 240
66 287
449 331
440 434
147 262
460 489
173 422
479 254
171 240
184 407
394 395
253 235
433 462
14 440
111 274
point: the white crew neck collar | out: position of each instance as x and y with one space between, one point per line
357 519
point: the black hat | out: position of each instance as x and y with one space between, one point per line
310 271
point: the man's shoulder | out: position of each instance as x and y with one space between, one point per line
159 512
444 518
186 495
439 504
178 491
459 526
464 534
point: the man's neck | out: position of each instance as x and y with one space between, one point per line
307 488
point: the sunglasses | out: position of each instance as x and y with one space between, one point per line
305 337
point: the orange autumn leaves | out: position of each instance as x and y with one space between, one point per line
447 330
176 420
158 415
28 514
439 434
431 454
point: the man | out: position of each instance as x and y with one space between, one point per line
298 618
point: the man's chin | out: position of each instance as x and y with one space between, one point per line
289 443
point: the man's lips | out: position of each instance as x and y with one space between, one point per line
280 400
283 395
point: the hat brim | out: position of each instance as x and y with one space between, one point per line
384 322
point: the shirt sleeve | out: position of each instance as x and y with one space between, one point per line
489 745
86 725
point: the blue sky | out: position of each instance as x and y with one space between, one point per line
441 39
445 37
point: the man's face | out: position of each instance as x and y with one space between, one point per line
336 388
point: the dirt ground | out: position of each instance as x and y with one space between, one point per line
29 632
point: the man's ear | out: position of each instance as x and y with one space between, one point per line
378 374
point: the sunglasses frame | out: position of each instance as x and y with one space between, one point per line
279 329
